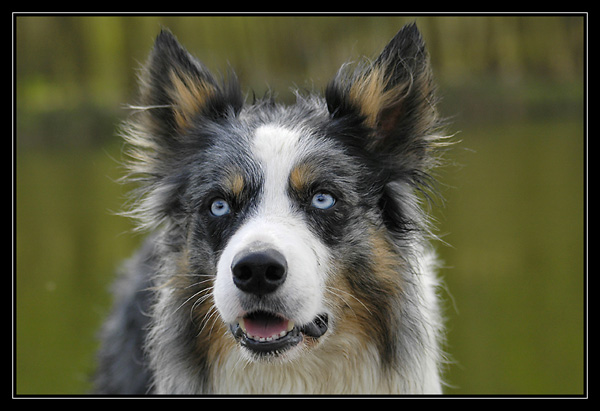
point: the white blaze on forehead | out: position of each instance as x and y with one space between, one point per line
277 225
271 141
277 150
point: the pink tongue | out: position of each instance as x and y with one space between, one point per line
265 326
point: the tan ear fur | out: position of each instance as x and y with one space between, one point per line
371 93
190 96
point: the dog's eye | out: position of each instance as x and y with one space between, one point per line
323 201
219 207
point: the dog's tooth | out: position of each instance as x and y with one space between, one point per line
290 327
241 323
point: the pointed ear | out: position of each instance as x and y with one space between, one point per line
176 88
393 95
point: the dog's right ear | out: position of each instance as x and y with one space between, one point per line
176 88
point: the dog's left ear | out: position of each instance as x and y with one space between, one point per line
394 96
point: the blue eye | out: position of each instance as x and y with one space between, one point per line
219 207
323 201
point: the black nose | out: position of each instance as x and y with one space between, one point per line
259 272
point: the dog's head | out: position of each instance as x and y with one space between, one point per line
286 218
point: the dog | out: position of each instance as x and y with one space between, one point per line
288 252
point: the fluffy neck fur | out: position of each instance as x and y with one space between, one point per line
341 372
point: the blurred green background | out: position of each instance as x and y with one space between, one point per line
514 186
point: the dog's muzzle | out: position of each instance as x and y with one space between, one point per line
259 274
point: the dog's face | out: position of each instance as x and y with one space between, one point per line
278 211
291 212
272 272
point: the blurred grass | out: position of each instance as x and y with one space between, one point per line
68 245
515 198
515 225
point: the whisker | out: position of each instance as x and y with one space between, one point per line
330 288
201 299
190 298
214 321
211 314
198 283
148 107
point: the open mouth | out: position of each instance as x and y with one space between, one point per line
265 333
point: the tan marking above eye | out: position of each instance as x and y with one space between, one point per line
301 176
